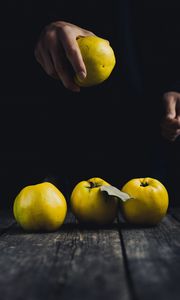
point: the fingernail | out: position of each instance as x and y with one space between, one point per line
81 75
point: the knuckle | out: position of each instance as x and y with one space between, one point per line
168 96
51 35
65 27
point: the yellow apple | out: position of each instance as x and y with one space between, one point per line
99 59
91 204
40 207
148 203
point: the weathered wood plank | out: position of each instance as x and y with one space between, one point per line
73 262
152 258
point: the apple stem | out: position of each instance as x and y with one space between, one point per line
144 184
94 184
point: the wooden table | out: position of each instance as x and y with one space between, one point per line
115 262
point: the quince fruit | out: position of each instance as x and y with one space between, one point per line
148 201
99 60
40 207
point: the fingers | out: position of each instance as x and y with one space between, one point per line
51 56
170 125
171 136
170 128
59 55
73 54
44 59
170 106
62 69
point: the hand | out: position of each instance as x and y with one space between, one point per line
58 53
170 125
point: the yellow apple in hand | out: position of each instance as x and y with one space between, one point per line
149 201
40 207
99 60
91 204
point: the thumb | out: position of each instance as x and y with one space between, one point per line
170 107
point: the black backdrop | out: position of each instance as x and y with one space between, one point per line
111 130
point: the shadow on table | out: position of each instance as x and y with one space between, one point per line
75 227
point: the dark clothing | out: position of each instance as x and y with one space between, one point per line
111 130
144 34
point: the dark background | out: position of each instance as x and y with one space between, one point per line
111 130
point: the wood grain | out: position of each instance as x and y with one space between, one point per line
152 258
74 262
80 262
